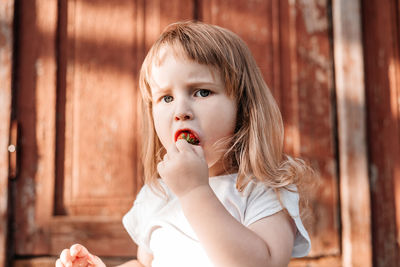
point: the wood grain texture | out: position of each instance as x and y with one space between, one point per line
308 111
100 160
6 52
102 236
351 112
381 22
78 106
36 98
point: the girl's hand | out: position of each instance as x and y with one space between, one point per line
78 256
184 167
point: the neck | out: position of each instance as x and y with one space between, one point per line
218 169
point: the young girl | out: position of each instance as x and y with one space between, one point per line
227 195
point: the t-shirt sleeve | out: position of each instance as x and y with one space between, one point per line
263 202
137 220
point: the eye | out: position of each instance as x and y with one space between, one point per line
203 93
167 98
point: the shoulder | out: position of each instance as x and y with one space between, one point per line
265 201
147 205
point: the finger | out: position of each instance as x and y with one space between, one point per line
82 262
199 151
59 263
96 261
77 250
66 258
165 157
183 145
172 149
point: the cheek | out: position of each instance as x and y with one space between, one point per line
160 125
222 122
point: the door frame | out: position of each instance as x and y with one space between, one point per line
6 63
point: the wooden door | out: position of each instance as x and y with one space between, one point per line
76 77
77 66
381 21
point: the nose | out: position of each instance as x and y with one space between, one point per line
183 111
182 117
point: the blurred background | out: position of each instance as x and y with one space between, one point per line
69 128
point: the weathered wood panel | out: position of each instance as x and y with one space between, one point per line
100 160
381 23
307 90
351 112
35 100
6 52
77 69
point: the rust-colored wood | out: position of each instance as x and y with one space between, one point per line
100 161
159 14
80 169
326 261
351 112
36 81
101 235
307 108
98 173
290 41
6 52
381 23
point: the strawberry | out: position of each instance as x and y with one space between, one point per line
189 137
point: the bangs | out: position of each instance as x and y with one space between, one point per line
204 44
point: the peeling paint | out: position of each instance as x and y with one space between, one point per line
39 67
314 19
314 55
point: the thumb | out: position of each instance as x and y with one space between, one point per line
78 251
95 261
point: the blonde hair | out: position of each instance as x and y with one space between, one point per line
256 148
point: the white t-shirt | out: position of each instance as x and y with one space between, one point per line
159 226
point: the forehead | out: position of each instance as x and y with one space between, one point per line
166 50
173 61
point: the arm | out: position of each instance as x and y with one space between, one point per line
267 242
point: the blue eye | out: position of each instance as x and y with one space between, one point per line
167 98
203 93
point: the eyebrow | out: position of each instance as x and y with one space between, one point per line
189 84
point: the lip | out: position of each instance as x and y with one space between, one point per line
179 131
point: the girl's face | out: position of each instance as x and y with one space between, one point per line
190 97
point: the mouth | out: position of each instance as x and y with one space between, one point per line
186 134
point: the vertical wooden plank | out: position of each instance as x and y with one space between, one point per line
159 14
46 81
381 22
351 110
100 105
307 108
6 52
36 87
